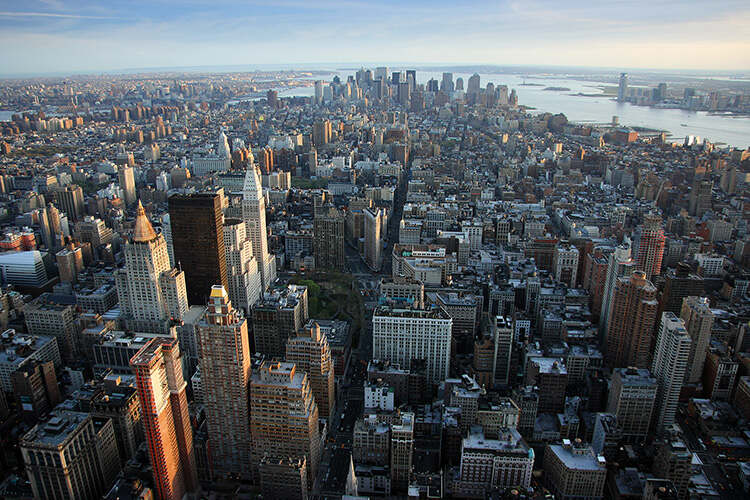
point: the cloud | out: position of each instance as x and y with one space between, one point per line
53 15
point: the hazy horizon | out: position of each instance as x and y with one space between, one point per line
86 37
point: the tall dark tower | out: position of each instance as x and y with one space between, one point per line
198 241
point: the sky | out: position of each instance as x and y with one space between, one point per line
74 36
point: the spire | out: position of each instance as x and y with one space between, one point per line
143 231
252 189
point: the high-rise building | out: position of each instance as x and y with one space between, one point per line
243 273
374 225
679 284
669 367
489 464
503 343
198 242
283 416
551 377
473 85
318 91
632 397
312 354
403 335
673 461
699 320
446 84
35 388
45 316
622 90
225 373
164 410
94 231
566 264
166 231
649 244
700 197
69 199
321 133
620 264
254 215
572 471
328 240
151 293
119 402
70 455
283 478
631 322
277 317
402 451
126 178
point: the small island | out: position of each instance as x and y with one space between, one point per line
559 89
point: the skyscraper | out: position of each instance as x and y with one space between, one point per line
164 410
283 416
402 451
277 318
243 274
318 91
679 284
150 291
669 367
70 455
503 340
374 218
446 84
699 320
312 354
403 335
473 85
328 242
70 200
622 90
254 215
225 374
321 133
649 244
631 399
198 241
620 264
126 179
631 322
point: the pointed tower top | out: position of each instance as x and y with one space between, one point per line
252 189
143 231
